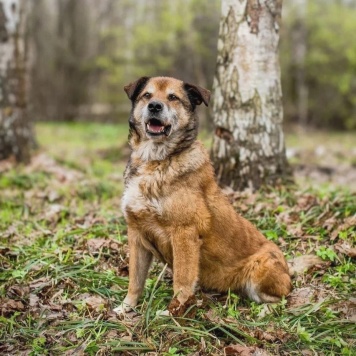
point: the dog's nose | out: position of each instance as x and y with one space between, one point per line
155 106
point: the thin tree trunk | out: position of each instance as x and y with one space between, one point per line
248 146
73 24
15 130
299 43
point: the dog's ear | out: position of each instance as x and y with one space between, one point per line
197 95
133 89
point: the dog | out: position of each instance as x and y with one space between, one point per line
176 212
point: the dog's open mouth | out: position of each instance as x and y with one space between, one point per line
156 127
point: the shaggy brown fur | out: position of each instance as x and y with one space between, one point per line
175 210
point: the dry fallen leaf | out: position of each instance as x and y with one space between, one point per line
96 244
346 249
56 307
33 300
54 316
348 222
295 230
96 303
53 211
10 231
244 351
347 308
17 291
45 163
300 296
301 264
8 306
213 316
330 223
113 334
40 283
306 201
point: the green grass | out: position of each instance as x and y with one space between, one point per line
63 262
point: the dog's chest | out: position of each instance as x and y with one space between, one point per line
143 196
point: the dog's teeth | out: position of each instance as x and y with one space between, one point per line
157 129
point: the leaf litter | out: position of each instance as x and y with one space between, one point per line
64 263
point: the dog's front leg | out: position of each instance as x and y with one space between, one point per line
186 251
140 261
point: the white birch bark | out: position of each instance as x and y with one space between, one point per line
248 146
15 132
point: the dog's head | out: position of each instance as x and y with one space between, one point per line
163 113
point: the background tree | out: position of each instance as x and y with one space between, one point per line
158 38
15 128
329 66
299 50
63 40
248 147
82 52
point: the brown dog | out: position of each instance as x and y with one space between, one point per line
175 210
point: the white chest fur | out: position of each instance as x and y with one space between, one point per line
132 197
150 188
136 199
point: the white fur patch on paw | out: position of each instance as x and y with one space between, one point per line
122 309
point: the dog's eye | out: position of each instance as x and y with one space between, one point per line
147 95
172 97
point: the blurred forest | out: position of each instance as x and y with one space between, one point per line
83 52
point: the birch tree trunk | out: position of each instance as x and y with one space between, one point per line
15 131
248 145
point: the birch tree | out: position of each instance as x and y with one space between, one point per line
248 144
15 131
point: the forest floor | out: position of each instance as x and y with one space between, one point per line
64 262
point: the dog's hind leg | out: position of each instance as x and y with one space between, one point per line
265 275
140 261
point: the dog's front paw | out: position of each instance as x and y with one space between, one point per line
126 306
122 309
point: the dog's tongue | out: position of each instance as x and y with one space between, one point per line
155 128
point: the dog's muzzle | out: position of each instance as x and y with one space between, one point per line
156 127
